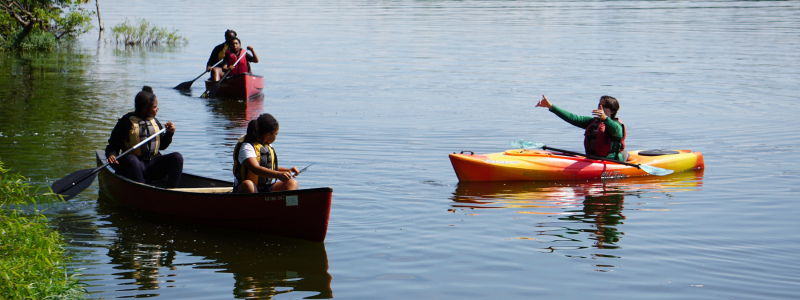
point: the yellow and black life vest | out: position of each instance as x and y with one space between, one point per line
221 53
140 130
266 157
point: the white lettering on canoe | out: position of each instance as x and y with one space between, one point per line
274 198
501 162
291 200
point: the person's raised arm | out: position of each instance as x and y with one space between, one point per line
255 56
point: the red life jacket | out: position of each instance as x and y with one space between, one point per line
241 67
597 142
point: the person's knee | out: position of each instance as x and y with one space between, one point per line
177 157
292 184
247 186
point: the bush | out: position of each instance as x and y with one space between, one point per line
32 255
37 40
143 34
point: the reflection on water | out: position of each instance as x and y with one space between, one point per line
587 211
236 111
146 256
49 109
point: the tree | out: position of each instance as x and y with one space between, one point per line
57 19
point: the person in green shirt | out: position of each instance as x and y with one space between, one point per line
605 133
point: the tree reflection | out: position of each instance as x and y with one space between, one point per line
151 254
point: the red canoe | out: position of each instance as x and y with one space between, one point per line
301 214
241 86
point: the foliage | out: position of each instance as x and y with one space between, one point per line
32 256
41 24
143 34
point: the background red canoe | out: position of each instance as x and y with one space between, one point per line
241 85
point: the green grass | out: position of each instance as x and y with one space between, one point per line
143 34
32 255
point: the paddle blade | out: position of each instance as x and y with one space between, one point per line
184 86
213 91
526 144
74 183
655 170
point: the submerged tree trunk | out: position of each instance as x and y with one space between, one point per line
99 21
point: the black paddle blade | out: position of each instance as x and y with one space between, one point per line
184 86
213 91
73 184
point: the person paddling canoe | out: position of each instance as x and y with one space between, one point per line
218 54
234 53
145 162
255 163
605 134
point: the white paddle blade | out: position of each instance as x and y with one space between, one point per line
656 170
526 144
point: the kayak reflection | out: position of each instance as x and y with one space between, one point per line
586 210
151 253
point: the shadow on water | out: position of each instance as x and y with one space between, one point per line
589 209
146 251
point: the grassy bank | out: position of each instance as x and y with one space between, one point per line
32 255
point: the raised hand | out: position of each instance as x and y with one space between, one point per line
544 103
170 127
599 113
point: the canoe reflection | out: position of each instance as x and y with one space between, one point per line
236 111
593 208
151 253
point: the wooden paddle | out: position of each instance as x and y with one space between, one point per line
188 84
78 181
214 89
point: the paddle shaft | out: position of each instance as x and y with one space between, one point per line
304 169
593 157
216 86
204 73
91 174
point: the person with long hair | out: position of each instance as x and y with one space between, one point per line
145 162
255 163
605 133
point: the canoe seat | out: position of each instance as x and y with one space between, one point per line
214 190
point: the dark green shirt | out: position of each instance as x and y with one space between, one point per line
613 127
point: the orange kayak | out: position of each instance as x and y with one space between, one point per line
519 164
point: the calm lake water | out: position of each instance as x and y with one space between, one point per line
378 93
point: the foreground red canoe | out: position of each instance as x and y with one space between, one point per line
299 214
241 86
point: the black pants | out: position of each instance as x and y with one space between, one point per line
136 169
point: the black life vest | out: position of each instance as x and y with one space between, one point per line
597 142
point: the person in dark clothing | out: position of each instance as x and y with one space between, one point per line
218 54
145 162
